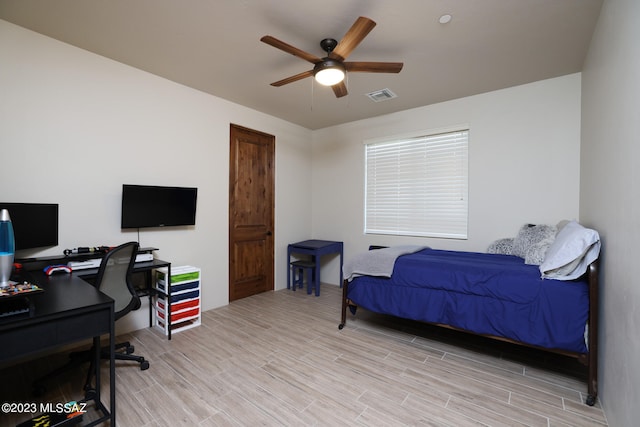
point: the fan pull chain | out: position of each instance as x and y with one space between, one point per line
346 83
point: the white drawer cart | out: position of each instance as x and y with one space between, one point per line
177 301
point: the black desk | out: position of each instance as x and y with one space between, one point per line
144 267
68 311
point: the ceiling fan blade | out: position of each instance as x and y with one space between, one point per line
352 38
286 47
374 67
340 89
293 78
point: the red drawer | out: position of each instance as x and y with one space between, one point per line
179 306
182 315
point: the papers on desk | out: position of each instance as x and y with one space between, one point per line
83 265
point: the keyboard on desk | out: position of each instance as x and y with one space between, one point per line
13 307
95 263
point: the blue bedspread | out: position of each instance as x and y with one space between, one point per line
483 293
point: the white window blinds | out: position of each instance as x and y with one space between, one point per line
418 186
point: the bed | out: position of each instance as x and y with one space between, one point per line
495 295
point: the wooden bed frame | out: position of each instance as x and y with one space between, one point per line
590 359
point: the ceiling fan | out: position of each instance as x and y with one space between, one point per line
331 70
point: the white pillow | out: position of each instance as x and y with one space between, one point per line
574 248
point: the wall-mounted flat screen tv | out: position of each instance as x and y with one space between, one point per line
146 206
35 225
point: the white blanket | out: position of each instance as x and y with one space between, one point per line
378 262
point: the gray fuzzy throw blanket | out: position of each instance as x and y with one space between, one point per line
378 262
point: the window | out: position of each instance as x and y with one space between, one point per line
418 186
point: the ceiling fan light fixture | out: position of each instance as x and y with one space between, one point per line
329 72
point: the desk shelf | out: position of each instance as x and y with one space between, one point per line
177 301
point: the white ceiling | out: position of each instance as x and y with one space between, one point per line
214 46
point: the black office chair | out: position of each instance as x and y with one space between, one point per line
114 280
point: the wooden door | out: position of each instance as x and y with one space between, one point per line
251 212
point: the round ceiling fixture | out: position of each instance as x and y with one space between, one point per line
329 72
445 19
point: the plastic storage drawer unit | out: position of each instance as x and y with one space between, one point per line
177 306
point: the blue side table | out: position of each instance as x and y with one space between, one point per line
315 248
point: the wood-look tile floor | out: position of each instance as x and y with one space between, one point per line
278 359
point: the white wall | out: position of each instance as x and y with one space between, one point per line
75 126
524 150
609 201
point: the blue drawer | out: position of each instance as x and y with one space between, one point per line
180 297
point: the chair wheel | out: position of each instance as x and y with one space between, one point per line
90 394
144 365
130 349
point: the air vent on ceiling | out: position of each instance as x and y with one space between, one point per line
381 95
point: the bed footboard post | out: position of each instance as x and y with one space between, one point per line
592 379
343 320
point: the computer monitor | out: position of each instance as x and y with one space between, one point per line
35 225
